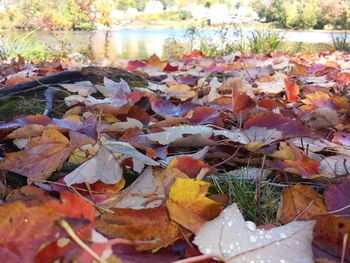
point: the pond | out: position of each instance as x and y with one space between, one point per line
141 43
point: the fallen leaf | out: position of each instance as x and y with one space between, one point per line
41 157
190 166
329 234
142 224
188 205
237 240
105 166
276 121
301 202
292 91
172 134
337 198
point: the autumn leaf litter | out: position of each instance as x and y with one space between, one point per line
143 157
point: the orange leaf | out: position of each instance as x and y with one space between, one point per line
24 229
306 167
292 90
41 157
27 226
300 201
188 204
140 224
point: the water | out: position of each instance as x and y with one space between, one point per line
139 43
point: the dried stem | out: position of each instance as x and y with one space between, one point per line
63 223
201 258
345 240
259 190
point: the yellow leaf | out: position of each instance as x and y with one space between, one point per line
188 205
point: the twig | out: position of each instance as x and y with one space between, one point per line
229 158
304 210
339 210
345 240
201 258
259 189
63 223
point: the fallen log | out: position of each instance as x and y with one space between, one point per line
61 77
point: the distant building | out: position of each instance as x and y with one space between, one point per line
218 14
154 7
2 5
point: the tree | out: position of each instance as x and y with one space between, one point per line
309 14
276 12
292 15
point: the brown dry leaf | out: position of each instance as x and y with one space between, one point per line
300 201
140 224
188 205
41 156
321 118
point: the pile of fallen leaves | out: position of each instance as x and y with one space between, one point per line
124 176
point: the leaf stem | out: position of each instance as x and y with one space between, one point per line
345 240
63 223
201 258
259 189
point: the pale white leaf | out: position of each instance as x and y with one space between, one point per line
111 87
83 88
235 135
263 134
171 134
129 123
334 166
103 166
139 159
275 86
137 194
197 155
237 240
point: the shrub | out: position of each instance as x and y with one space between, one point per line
341 42
264 41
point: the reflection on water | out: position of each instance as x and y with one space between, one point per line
137 44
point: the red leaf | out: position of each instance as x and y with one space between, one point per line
337 197
276 121
135 64
191 166
292 91
305 167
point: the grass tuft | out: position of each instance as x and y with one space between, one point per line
244 192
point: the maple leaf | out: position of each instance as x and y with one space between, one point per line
41 157
237 240
188 205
